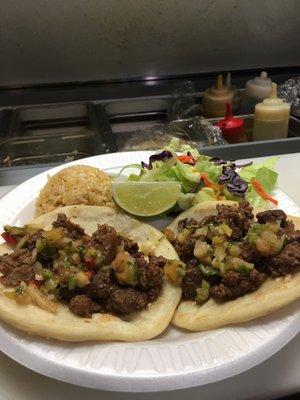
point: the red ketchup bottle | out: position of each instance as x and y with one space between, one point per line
232 128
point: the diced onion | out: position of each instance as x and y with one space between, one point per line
41 300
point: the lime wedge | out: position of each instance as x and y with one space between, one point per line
146 199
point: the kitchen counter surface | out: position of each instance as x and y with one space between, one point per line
278 376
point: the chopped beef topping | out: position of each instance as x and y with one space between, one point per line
101 286
208 220
151 275
17 275
17 267
185 250
104 289
250 253
126 301
288 229
188 223
130 245
32 239
191 281
246 208
294 237
74 231
104 272
285 262
182 224
66 294
81 305
271 216
230 255
107 239
191 223
193 278
235 284
237 218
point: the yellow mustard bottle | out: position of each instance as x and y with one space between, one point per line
215 99
271 117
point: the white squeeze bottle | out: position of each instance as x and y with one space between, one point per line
256 90
271 117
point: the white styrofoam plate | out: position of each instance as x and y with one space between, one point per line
176 359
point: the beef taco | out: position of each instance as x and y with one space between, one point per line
87 273
240 265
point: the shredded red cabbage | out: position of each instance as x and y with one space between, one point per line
217 161
163 156
243 165
234 183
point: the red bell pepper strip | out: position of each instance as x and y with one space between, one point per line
262 193
208 182
9 238
185 159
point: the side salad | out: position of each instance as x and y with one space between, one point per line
205 178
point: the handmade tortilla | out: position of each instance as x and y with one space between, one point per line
272 295
64 325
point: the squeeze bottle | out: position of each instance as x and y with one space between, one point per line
215 99
237 96
232 128
256 90
271 117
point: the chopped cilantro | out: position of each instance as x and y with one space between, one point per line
207 270
71 283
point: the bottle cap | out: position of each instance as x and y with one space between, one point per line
272 108
228 80
219 90
230 125
258 87
262 80
215 99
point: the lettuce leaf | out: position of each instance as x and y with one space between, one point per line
174 145
186 176
265 174
205 194
185 201
268 180
186 148
254 199
133 177
187 172
250 172
161 172
204 165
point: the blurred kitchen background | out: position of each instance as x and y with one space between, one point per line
51 41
